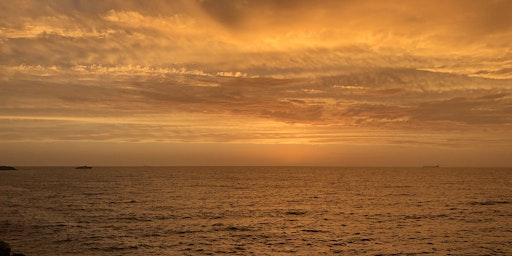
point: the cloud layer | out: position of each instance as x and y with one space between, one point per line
432 73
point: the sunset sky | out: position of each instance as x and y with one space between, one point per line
256 82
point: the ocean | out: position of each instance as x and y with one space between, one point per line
256 211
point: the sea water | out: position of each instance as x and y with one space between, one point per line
257 211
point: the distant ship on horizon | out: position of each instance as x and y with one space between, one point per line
84 167
431 166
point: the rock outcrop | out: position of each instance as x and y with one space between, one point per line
5 250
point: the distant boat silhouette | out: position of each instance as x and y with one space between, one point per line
83 167
5 168
431 166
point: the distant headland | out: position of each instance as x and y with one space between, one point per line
5 167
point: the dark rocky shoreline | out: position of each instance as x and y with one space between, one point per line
5 250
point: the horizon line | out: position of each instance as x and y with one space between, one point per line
228 165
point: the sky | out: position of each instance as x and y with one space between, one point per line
256 82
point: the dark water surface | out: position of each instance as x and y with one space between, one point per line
257 211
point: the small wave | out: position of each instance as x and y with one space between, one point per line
312 230
490 202
234 228
425 216
121 247
188 231
5 189
296 212
123 202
